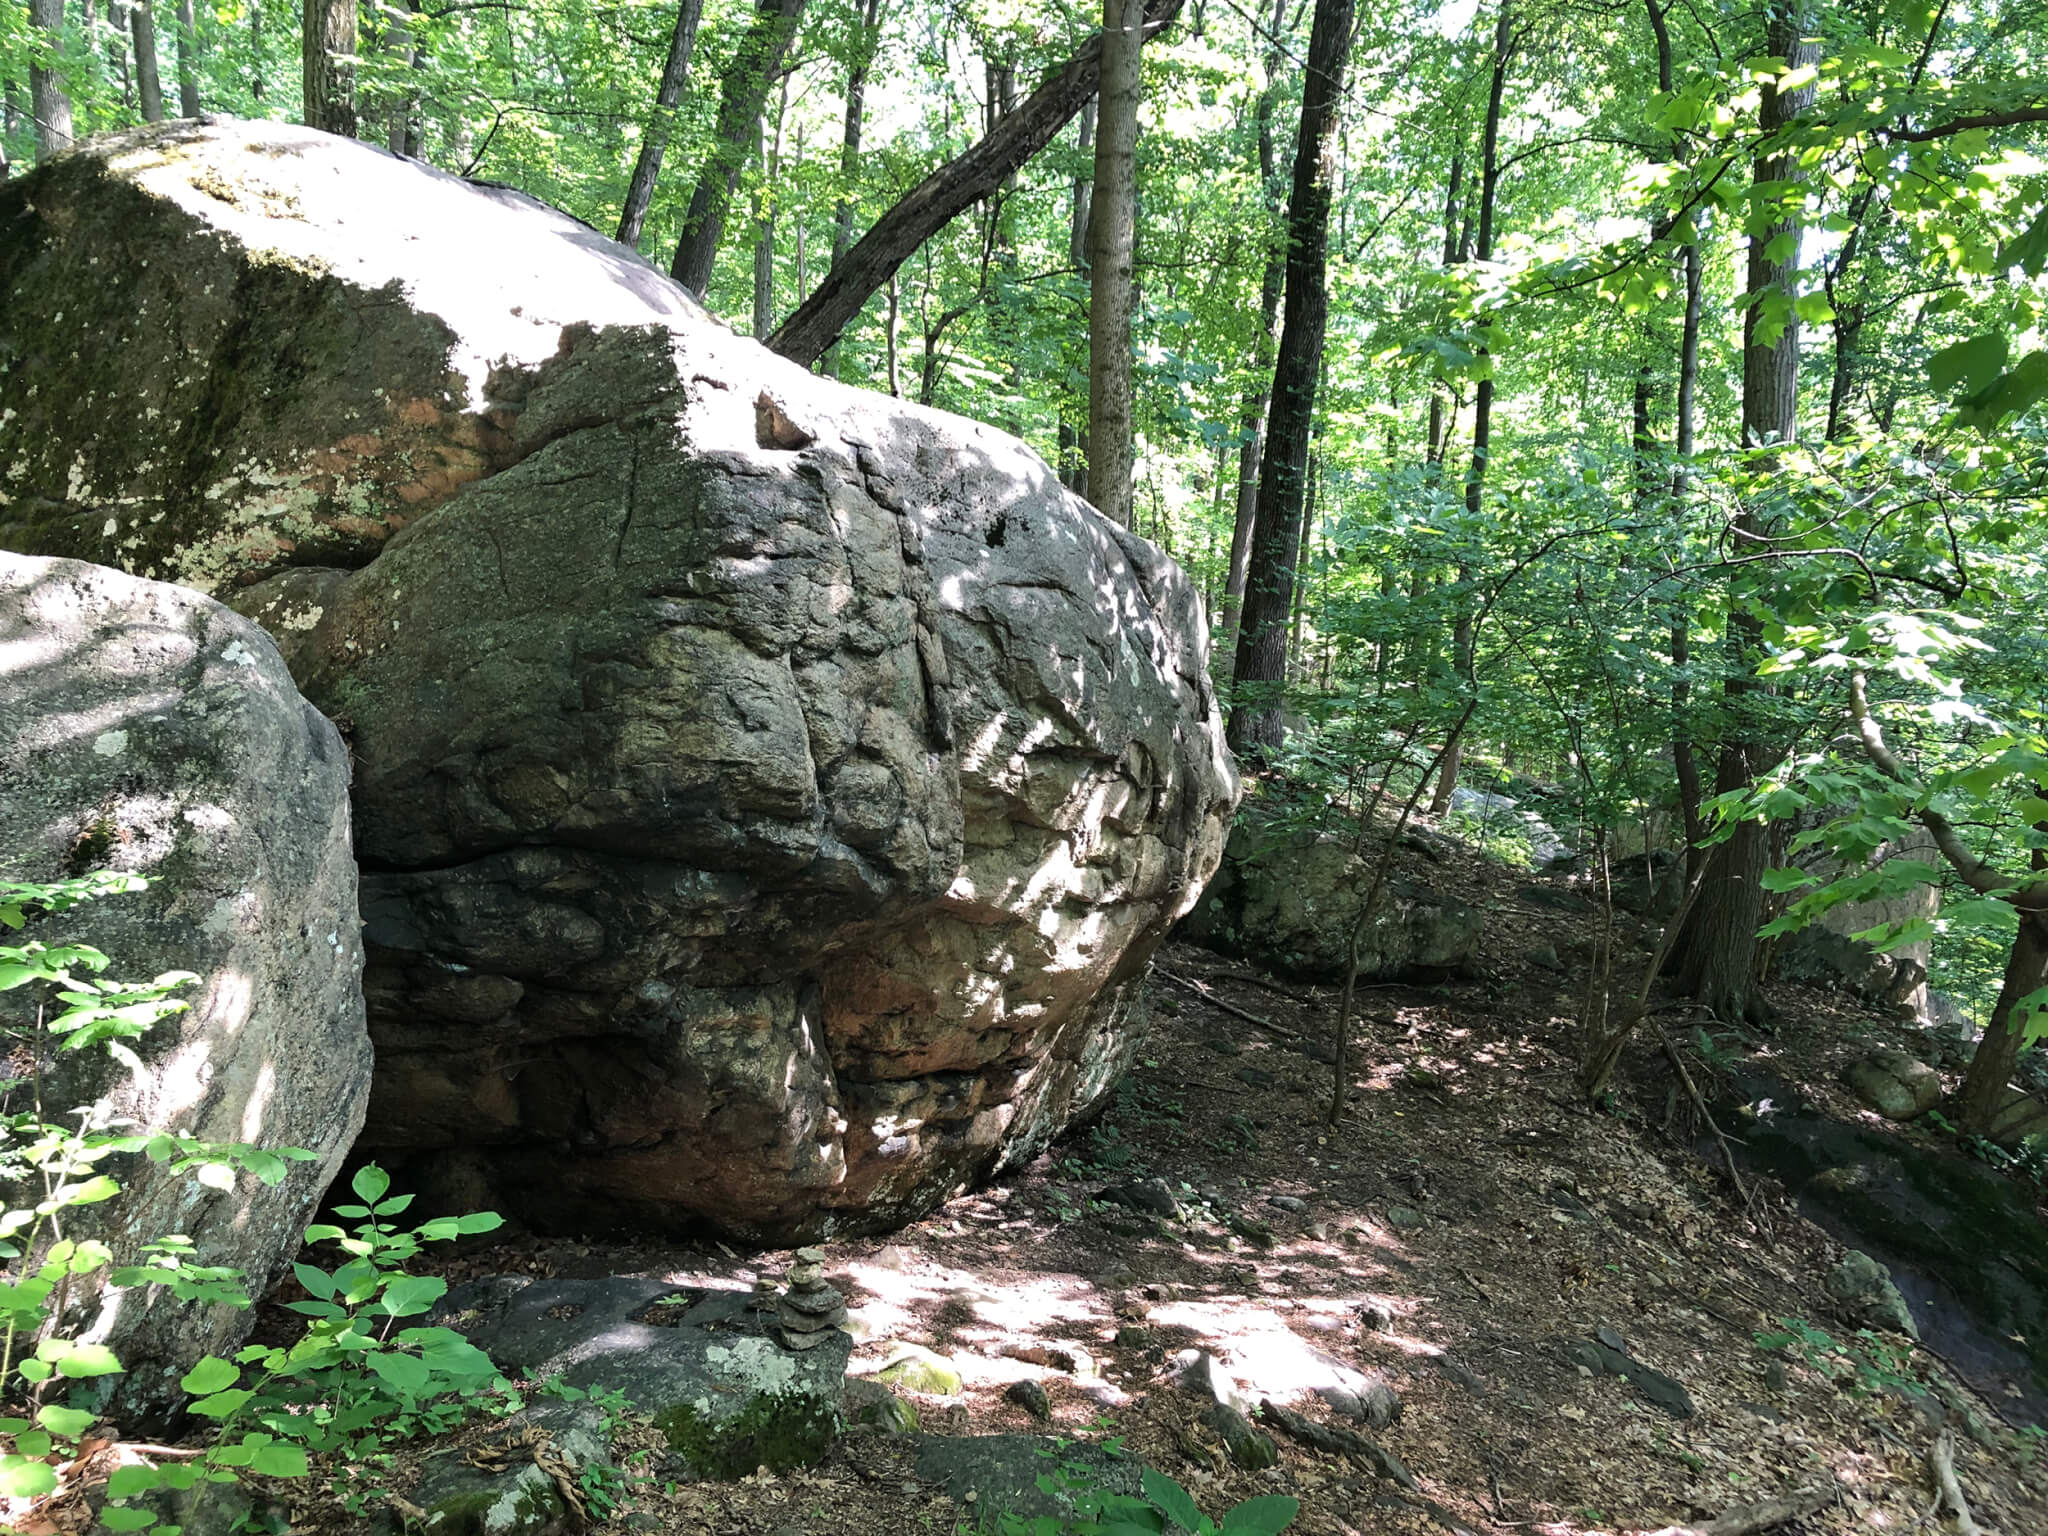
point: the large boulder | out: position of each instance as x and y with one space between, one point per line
1288 898
768 794
147 729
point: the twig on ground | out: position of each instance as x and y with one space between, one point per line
1747 1519
1941 1461
1206 995
1706 1115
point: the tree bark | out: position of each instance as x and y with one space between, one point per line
1112 240
742 95
1462 636
328 77
255 50
675 79
1715 958
849 151
148 86
1984 1086
188 62
1073 441
764 219
958 184
1251 423
1255 729
48 99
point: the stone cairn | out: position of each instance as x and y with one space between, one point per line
810 1309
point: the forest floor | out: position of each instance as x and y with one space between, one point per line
1467 1222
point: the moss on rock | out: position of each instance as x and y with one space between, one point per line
777 1430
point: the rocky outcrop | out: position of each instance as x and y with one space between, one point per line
149 730
1289 898
1896 1085
768 794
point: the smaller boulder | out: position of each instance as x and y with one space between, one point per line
1249 1448
1030 1396
913 1368
1864 1290
1894 1084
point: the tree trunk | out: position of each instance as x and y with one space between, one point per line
188 62
2026 971
1463 639
328 75
1251 422
742 95
401 124
1073 442
1112 237
1715 957
50 102
1255 730
849 152
142 21
675 79
764 219
929 206
255 50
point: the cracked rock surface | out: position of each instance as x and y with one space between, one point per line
768 794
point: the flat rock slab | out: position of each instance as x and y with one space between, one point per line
729 1397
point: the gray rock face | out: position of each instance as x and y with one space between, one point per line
1288 900
768 794
704 1365
1865 1290
1894 1084
150 730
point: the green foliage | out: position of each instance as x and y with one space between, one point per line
351 1383
1869 1362
1162 1506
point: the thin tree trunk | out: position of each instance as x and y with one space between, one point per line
1462 638
142 21
328 75
930 205
1715 960
48 99
742 95
1073 441
764 219
1251 422
895 379
1984 1087
1304 554
1112 240
849 152
255 50
188 62
675 79
1255 728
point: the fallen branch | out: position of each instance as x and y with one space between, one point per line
1202 991
1746 1519
1941 1461
1706 1114
1332 1441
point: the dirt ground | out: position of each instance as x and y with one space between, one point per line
1465 1223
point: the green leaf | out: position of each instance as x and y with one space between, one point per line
68 1422
410 1295
318 1283
221 1404
406 1373
1264 1516
279 1461
130 1480
116 1518
1171 1500
78 1361
370 1183
1969 365
209 1376
21 1478
1788 879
